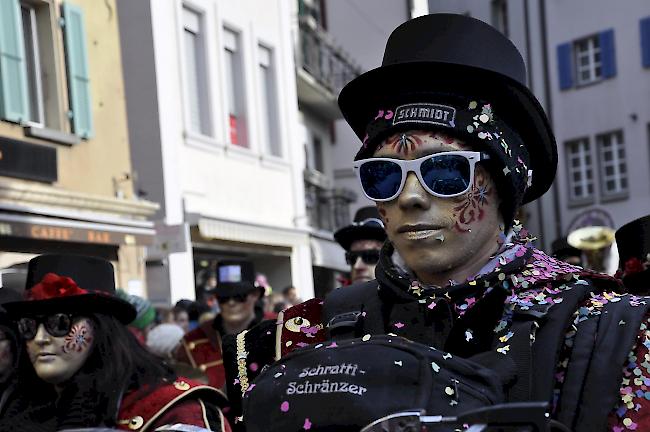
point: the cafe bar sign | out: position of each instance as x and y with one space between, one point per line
71 234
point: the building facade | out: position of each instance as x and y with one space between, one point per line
66 181
213 115
592 75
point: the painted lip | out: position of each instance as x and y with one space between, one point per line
45 355
418 227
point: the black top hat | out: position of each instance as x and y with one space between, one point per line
71 283
633 242
367 225
235 277
457 74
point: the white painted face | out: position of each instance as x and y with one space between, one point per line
57 359
6 358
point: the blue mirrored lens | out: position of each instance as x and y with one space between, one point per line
380 179
446 174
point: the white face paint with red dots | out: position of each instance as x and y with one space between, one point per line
57 359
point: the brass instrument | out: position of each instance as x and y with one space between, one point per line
595 242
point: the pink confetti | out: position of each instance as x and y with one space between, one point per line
431 305
332 345
284 406
253 367
307 424
398 325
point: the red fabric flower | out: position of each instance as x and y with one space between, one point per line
54 286
634 265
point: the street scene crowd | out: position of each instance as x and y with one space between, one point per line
449 316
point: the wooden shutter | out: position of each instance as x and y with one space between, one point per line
14 104
565 65
645 42
77 66
608 53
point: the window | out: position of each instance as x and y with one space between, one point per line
500 15
234 71
268 105
198 109
581 183
318 155
644 28
32 63
588 60
613 169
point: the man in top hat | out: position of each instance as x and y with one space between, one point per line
237 294
452 143
362 241
633 243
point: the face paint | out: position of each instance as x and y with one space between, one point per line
471 209
425 229
404 143
57 359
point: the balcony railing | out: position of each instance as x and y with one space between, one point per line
328 209
327 63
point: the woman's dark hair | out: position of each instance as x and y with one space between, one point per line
119 363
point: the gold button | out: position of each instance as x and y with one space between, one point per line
136 423
295 324
203 367
181 385
191 346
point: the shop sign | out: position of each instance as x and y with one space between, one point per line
70 234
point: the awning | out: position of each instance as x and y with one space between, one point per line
243 232
70 230
328 253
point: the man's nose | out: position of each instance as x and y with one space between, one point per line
359 263
42 336
413 195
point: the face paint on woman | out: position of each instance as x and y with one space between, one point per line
57 359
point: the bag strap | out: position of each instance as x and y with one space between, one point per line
350 311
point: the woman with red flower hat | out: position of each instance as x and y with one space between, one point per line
92 370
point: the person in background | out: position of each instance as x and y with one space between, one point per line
562 250
10 349
181 317
362 241
290 295
94 371
145 318
633 243
237 294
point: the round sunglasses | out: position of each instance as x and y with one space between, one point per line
444 175
57 325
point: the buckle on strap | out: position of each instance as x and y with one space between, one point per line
344 325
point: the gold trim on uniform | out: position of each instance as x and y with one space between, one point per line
194 343
241 361
134 423
205 366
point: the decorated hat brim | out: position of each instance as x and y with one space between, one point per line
415 81
351 233
77 304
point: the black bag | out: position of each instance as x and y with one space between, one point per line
372 376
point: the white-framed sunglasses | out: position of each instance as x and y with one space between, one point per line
445 175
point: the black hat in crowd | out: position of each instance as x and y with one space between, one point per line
456 74
561 249
235 277
633 242
367 225
71 283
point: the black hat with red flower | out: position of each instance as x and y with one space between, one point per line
71 283
633 242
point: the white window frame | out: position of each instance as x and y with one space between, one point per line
269 130
34 75
235 90
206 128
613 142
584 168
593 67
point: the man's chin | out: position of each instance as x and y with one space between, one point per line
361 279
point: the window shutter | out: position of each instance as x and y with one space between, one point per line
645 42
78 76
13 72
565 65
608 53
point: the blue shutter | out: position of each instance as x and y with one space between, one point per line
565 65
608 53
645 42
78 76
13 71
